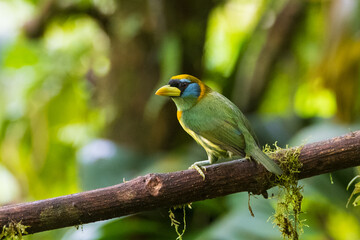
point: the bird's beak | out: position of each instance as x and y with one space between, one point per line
168 91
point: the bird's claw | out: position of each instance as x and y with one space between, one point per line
248 157
199 169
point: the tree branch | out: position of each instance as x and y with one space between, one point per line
168 189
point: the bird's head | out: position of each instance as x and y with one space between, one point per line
185 90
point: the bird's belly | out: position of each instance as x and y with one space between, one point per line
210 147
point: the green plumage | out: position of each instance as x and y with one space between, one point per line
221 129
214 122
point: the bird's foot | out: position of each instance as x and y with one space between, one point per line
198 166
199 169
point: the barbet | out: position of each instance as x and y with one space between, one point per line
214 122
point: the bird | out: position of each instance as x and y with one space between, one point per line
214 122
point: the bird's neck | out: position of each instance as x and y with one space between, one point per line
184 104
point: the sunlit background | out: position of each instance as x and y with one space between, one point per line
78 110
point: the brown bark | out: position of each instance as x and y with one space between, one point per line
168 189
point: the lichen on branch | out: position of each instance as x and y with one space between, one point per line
288 207
14 231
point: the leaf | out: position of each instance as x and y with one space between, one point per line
355 191
356 201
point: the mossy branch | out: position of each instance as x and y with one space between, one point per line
170 189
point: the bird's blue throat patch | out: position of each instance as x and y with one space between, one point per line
193 90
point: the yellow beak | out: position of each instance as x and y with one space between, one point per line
168 91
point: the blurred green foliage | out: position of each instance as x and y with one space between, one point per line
77 109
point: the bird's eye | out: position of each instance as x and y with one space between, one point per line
178 84
183 84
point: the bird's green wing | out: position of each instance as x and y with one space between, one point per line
226 136
218 123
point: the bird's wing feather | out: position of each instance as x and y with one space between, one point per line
217 123
226 137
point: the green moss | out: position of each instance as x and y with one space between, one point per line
177 223
14 231
288 207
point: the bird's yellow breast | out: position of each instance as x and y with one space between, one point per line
209 146
190 132
178 114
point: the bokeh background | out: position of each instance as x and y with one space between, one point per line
78 110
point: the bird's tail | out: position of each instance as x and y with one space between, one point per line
265 160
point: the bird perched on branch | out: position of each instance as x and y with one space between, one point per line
214 122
